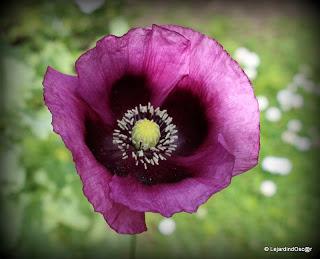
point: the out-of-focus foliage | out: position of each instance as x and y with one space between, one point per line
43 210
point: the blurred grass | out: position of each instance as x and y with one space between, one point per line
44 211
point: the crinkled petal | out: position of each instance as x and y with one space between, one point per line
68 119
212 171
143 64
234 106
167 61
190 110
124 220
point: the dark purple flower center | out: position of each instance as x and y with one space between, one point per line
182 123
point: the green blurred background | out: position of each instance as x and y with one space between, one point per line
44 213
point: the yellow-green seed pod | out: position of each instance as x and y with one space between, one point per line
145 134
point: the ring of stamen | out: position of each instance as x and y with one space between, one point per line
146 134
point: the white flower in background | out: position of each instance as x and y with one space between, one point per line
263 102
277 165
268 188
251 72
167 226
294 125
118 26
40 124
201 212
289 100
302 143
241 54
89 6
252 60
299 79
288 137
284 98
273 114
248 60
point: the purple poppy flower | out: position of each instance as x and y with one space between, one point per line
157 120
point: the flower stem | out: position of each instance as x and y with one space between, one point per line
133 243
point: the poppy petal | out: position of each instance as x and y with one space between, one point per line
68 120
234 107
211 173
144 62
